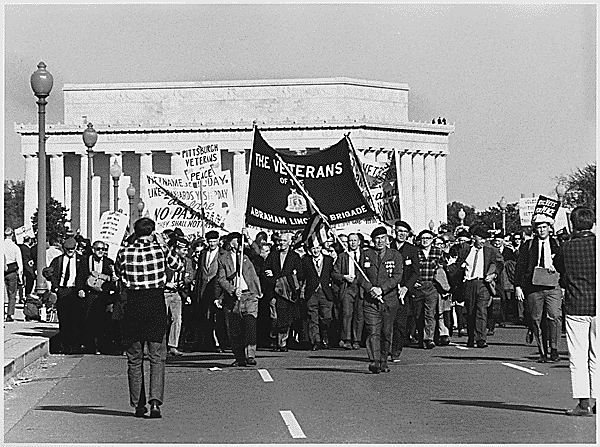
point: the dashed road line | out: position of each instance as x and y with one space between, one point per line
292 424
265 375
459 346
522 368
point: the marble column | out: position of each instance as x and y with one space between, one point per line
240 180
57 177
95 207
68 195
431 204
419 193
442 199
405 186
145 168
118 157
83 189
31 187
177 164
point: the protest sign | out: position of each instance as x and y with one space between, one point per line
546 206
22 232
201 159
111 231
526 208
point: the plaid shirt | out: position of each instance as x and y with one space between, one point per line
428 266
577 266
142 265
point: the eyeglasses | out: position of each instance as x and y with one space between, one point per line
426 238
100 249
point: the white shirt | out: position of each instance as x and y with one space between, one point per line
318 262
243 285
351 265
12 253
547 253
478 273
210 256
72 273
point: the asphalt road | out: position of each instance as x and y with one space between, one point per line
449 395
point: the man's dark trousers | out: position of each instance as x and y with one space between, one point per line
379 321
319 317
353 319
477 297
400 336
69 308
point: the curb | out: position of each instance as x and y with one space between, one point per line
36 350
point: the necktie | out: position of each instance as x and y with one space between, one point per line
543 254
67 273
474 273
319 266
351 267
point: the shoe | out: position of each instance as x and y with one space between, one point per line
429 345
325 345
482 344
490 332
155 411
543 358
444 340
384 368
250 361
529 337
579 411
346 345
98 352
501 324
396 359
283 349
274 348
374 368
554 355
341 343
470 344
8 319
236 364
141 411
219 350
315 347
355 345
176 352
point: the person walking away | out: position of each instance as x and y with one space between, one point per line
383 268
344 273
238 292
543 301
577 266
142 268
69 275
13 268
96 320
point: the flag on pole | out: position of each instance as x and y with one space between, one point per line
315 231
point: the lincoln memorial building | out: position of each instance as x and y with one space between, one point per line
145 126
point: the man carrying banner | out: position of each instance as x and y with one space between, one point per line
283 271
383 269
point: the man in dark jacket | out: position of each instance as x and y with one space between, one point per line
543 302
383 269
69 274
317 269
410 255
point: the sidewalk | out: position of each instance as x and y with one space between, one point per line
25 342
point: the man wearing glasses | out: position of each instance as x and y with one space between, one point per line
69 274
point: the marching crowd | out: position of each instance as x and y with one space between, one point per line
165 294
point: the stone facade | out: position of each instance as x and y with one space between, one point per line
144 127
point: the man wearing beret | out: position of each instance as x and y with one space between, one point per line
383 269
69 275
543 302
237 290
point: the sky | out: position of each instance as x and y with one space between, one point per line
518 81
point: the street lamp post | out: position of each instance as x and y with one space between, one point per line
131 195
461 216
140 207
41 84
502 204
115 173
90 136
561 190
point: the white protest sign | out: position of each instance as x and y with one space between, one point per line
526 208
111 231
200 159
22 232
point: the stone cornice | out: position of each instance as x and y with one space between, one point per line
240 83
409 127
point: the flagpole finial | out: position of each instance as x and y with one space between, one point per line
254 122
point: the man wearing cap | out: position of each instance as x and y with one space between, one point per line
13 268
69 275
176 286
317 269
477 268
543 302
383 268
344 272
577 265
410 255
237 290
142 268
212 326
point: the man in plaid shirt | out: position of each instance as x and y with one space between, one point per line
141 267
577 266
426 296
